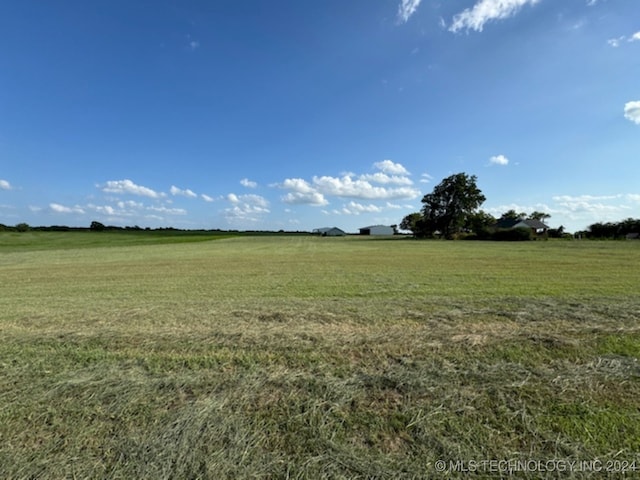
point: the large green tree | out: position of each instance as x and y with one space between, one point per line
450 204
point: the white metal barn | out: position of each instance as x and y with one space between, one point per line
377 230
329 232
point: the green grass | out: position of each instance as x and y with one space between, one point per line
39 240
302 357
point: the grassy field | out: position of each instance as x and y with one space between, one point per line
124 356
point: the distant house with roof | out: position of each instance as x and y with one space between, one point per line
538 228
329 232
377 230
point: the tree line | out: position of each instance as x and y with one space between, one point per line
452 210
613 230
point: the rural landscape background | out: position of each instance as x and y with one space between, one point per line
169 355
166 313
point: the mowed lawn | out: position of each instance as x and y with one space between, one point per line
302 357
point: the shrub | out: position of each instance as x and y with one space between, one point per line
513 235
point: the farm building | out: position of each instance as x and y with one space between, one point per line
538 229
329 232
377 230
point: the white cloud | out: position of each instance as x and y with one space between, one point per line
579 211
583 198
57 208
302 193
130 204
298 185
257 202
393 206
315 199
354 208
246 208
206 198
384 179
107 210
632 112
245 182
350 185
499 160
185 193
595 210
127 186
486 10
170 211
406 9
4 185
615 42
390 167
347 187
425 178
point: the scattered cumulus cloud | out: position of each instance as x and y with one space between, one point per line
315 199
632 112
390 182
246 208
406 9
256 201
130 204
354 208
425 178
483 11
390 167
347 186
584 198
385 179
128 187
5 185
616 42
499 160
245 182
166 210
57 208
206 198
185 193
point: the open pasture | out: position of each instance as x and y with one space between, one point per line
304 357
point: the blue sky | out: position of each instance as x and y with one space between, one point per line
292 114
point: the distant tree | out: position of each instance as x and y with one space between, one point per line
512 215
602 230
411 222
23 227
97 226
556 232
480 223
614 229
540 216
447 208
